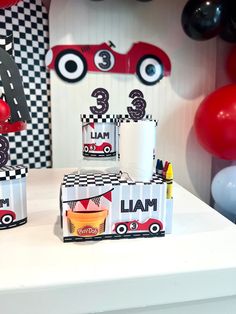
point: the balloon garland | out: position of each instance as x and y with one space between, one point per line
205 19
215 127
215 119
8 3
228 32
231 65
215 123
223 190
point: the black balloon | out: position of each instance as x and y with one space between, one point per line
228 32
203 19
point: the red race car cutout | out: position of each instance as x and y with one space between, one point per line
104 147
154 226
72 62
7 216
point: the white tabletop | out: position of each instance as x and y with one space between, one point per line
197 261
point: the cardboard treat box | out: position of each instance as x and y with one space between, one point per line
106 206
13 211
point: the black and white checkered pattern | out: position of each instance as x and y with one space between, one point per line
127 117
90 118
13 172
104 179
114 237
6 43
28 21
130 120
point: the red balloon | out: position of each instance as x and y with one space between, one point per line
7 3
5 111
215 123
231 65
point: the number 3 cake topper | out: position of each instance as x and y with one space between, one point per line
137 112
139 103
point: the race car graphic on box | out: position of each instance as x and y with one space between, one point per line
7 217
154 226
72 62
104 147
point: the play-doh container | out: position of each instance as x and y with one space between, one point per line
87 223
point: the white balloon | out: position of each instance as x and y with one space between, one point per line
223 189
226 214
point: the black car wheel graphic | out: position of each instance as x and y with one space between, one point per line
150 70
107 149
154 228
86 149
7 219
121 229
70 66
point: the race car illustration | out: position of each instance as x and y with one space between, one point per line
72 62
7 217
154 226
104 147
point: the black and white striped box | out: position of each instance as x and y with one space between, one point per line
133 209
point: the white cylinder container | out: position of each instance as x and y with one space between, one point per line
99 135
137 141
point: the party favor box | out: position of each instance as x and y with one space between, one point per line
13 211
106 206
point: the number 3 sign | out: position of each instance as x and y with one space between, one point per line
104 60
102 96
136 113
4 146
139 103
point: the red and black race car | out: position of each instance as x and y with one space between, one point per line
154 226
72 62
7 216
104 147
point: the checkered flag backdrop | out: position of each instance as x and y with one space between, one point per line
6 43
28 22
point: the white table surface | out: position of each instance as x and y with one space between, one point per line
40 272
